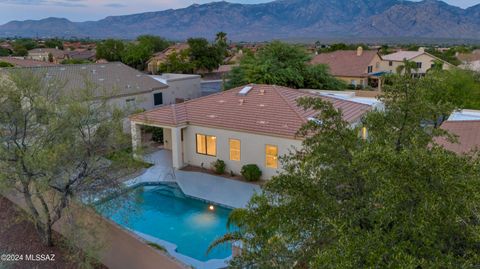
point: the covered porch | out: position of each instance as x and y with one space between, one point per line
172 142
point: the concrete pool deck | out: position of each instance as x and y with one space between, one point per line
215 189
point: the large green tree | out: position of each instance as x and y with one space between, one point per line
137 55
393 200
110 50
203 55
285 65
55 144
155 43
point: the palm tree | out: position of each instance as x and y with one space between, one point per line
221 37
407 68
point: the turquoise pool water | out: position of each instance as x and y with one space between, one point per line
164 212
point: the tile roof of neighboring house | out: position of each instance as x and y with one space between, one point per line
469 57
346 62
159 56
82 54
266 109
112 79
55 52
401 55
467 132
25 62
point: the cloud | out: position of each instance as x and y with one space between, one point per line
62 3
115 5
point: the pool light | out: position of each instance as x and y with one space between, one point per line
211 208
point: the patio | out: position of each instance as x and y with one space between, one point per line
211 188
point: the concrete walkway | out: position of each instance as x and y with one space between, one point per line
215 189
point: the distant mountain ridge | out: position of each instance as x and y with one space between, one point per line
280 19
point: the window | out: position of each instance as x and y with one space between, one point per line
419 65
271 156
390 63
370 69
353 82
234 149
206 145
158 99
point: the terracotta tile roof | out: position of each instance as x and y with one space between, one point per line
346 62
469 57
25 62
160 56
266 109
467 132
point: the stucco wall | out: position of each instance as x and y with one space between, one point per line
425 59
252 149
185 89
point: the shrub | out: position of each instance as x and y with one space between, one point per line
251 172
219 167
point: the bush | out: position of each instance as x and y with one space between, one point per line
251 172
219 167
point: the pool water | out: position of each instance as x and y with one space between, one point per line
164 212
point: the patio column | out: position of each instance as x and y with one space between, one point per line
177 151
136 138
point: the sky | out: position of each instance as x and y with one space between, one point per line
84 10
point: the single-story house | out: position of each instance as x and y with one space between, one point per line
465 125
254 124
82 54
123 85
470 61
360 68
21 62
423 60
43 54
181 87
160 57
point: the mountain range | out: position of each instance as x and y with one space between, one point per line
280 19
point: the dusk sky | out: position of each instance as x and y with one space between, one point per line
82 10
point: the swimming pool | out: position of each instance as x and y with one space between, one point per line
162 211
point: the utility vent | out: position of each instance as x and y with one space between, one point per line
94 71
262 91
101 79
261 105
139 76
102 66
241 101
84 67
62 69
245 91
262 122
212 116
221 101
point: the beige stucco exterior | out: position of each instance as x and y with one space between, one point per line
426 59
376 65
253 147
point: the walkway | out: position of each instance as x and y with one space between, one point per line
215 189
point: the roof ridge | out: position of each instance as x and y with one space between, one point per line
288 103
461 121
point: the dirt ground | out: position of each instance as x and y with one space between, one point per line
19 239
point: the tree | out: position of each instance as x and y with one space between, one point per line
50 58
393 200
136 55
19 50
4 52
155 43
54 145
177 62
5 64
285 65
408 68
204 56
54 43
110 50
221 43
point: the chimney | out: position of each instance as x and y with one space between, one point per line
421 49
359 51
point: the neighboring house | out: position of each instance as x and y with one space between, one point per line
81 54
43 54
160 57
124 86
360 68
181 88
220 73
20 62
470 61
255 124
424 61
465 125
